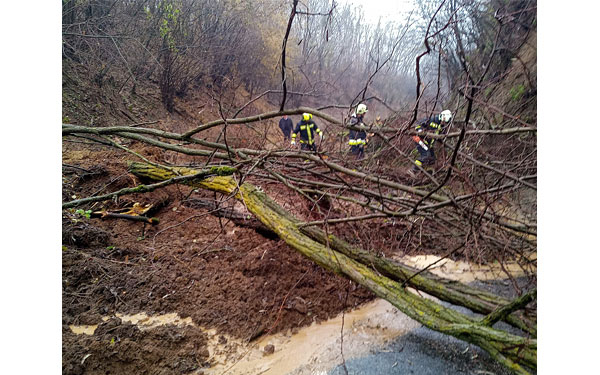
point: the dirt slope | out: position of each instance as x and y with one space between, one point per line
221 275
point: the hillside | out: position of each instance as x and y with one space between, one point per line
222 275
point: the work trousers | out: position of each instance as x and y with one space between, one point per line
307 147
426 158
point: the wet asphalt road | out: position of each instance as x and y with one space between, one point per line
424 352
427 352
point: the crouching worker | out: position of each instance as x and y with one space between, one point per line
435 125
308 131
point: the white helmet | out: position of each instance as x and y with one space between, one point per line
446 115
361 109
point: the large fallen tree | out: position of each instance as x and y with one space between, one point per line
386 279
466 212
479 203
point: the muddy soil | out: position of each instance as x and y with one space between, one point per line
228 278
119 348
223 276
231 279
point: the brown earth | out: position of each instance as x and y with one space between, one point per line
224 276
229 277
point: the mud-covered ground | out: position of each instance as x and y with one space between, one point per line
230 280
226 277
223 276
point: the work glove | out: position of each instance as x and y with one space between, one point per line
322 137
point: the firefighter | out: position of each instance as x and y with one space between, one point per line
435 125
307 129
358 138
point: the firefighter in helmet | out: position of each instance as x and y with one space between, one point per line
358 138
308 131
434 124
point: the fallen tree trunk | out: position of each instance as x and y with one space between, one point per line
244 153
512 351
451 291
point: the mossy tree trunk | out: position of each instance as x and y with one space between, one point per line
515 352
451 291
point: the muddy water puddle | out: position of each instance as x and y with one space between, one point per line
142 320
463 271
316 349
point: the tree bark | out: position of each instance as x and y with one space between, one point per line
451 291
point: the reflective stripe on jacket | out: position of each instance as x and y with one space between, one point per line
432 125
307 131
357 137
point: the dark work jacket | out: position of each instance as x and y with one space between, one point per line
431 125
286 125
308 131
357 137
